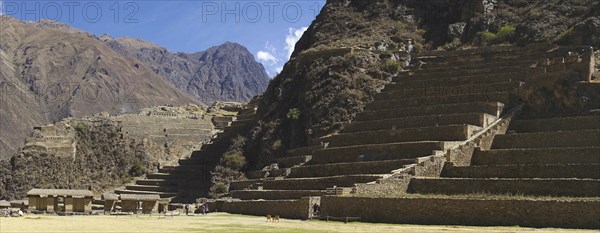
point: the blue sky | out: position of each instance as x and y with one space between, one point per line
269 29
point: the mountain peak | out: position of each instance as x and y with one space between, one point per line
227 72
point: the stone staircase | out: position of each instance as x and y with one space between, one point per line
191 178
419 113
538 157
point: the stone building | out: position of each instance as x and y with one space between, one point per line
4 204
110 202
60 200
140 203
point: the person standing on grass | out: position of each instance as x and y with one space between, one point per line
316 209
187 209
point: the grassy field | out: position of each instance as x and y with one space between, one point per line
219 222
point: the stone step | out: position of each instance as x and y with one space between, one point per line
439 67
477 64
246 122
556 124
161 194
217 144
243 184
307 150
492 108
293 161
208 154
152 188
319 183
233 130
246 117
436 90
276 194
487 58
477 119
580 138
200 160
566 155
402 81
188 181
506 98
583 171
247 111
186 167
491 52
432 75
165 176
439 133
333 169
270 173
377 152
157 182
535 187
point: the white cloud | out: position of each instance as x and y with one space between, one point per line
273 58
264 56
292 38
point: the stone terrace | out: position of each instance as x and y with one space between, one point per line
458 102
191 178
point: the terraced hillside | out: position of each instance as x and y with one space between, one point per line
449 129
191 178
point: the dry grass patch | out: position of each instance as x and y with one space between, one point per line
220 222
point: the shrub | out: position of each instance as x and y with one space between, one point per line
391 66
238 143
293 114
234 160
218 189
506 34
81 127
137 169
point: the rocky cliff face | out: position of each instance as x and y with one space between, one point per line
228 72
325 83
574 22
50 71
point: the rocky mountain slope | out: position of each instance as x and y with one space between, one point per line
326 83
228 72
50 71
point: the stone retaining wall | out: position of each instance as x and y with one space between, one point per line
546 187
530 213
294 209
318 183
278 194
530 171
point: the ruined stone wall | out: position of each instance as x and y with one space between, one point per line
530 213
